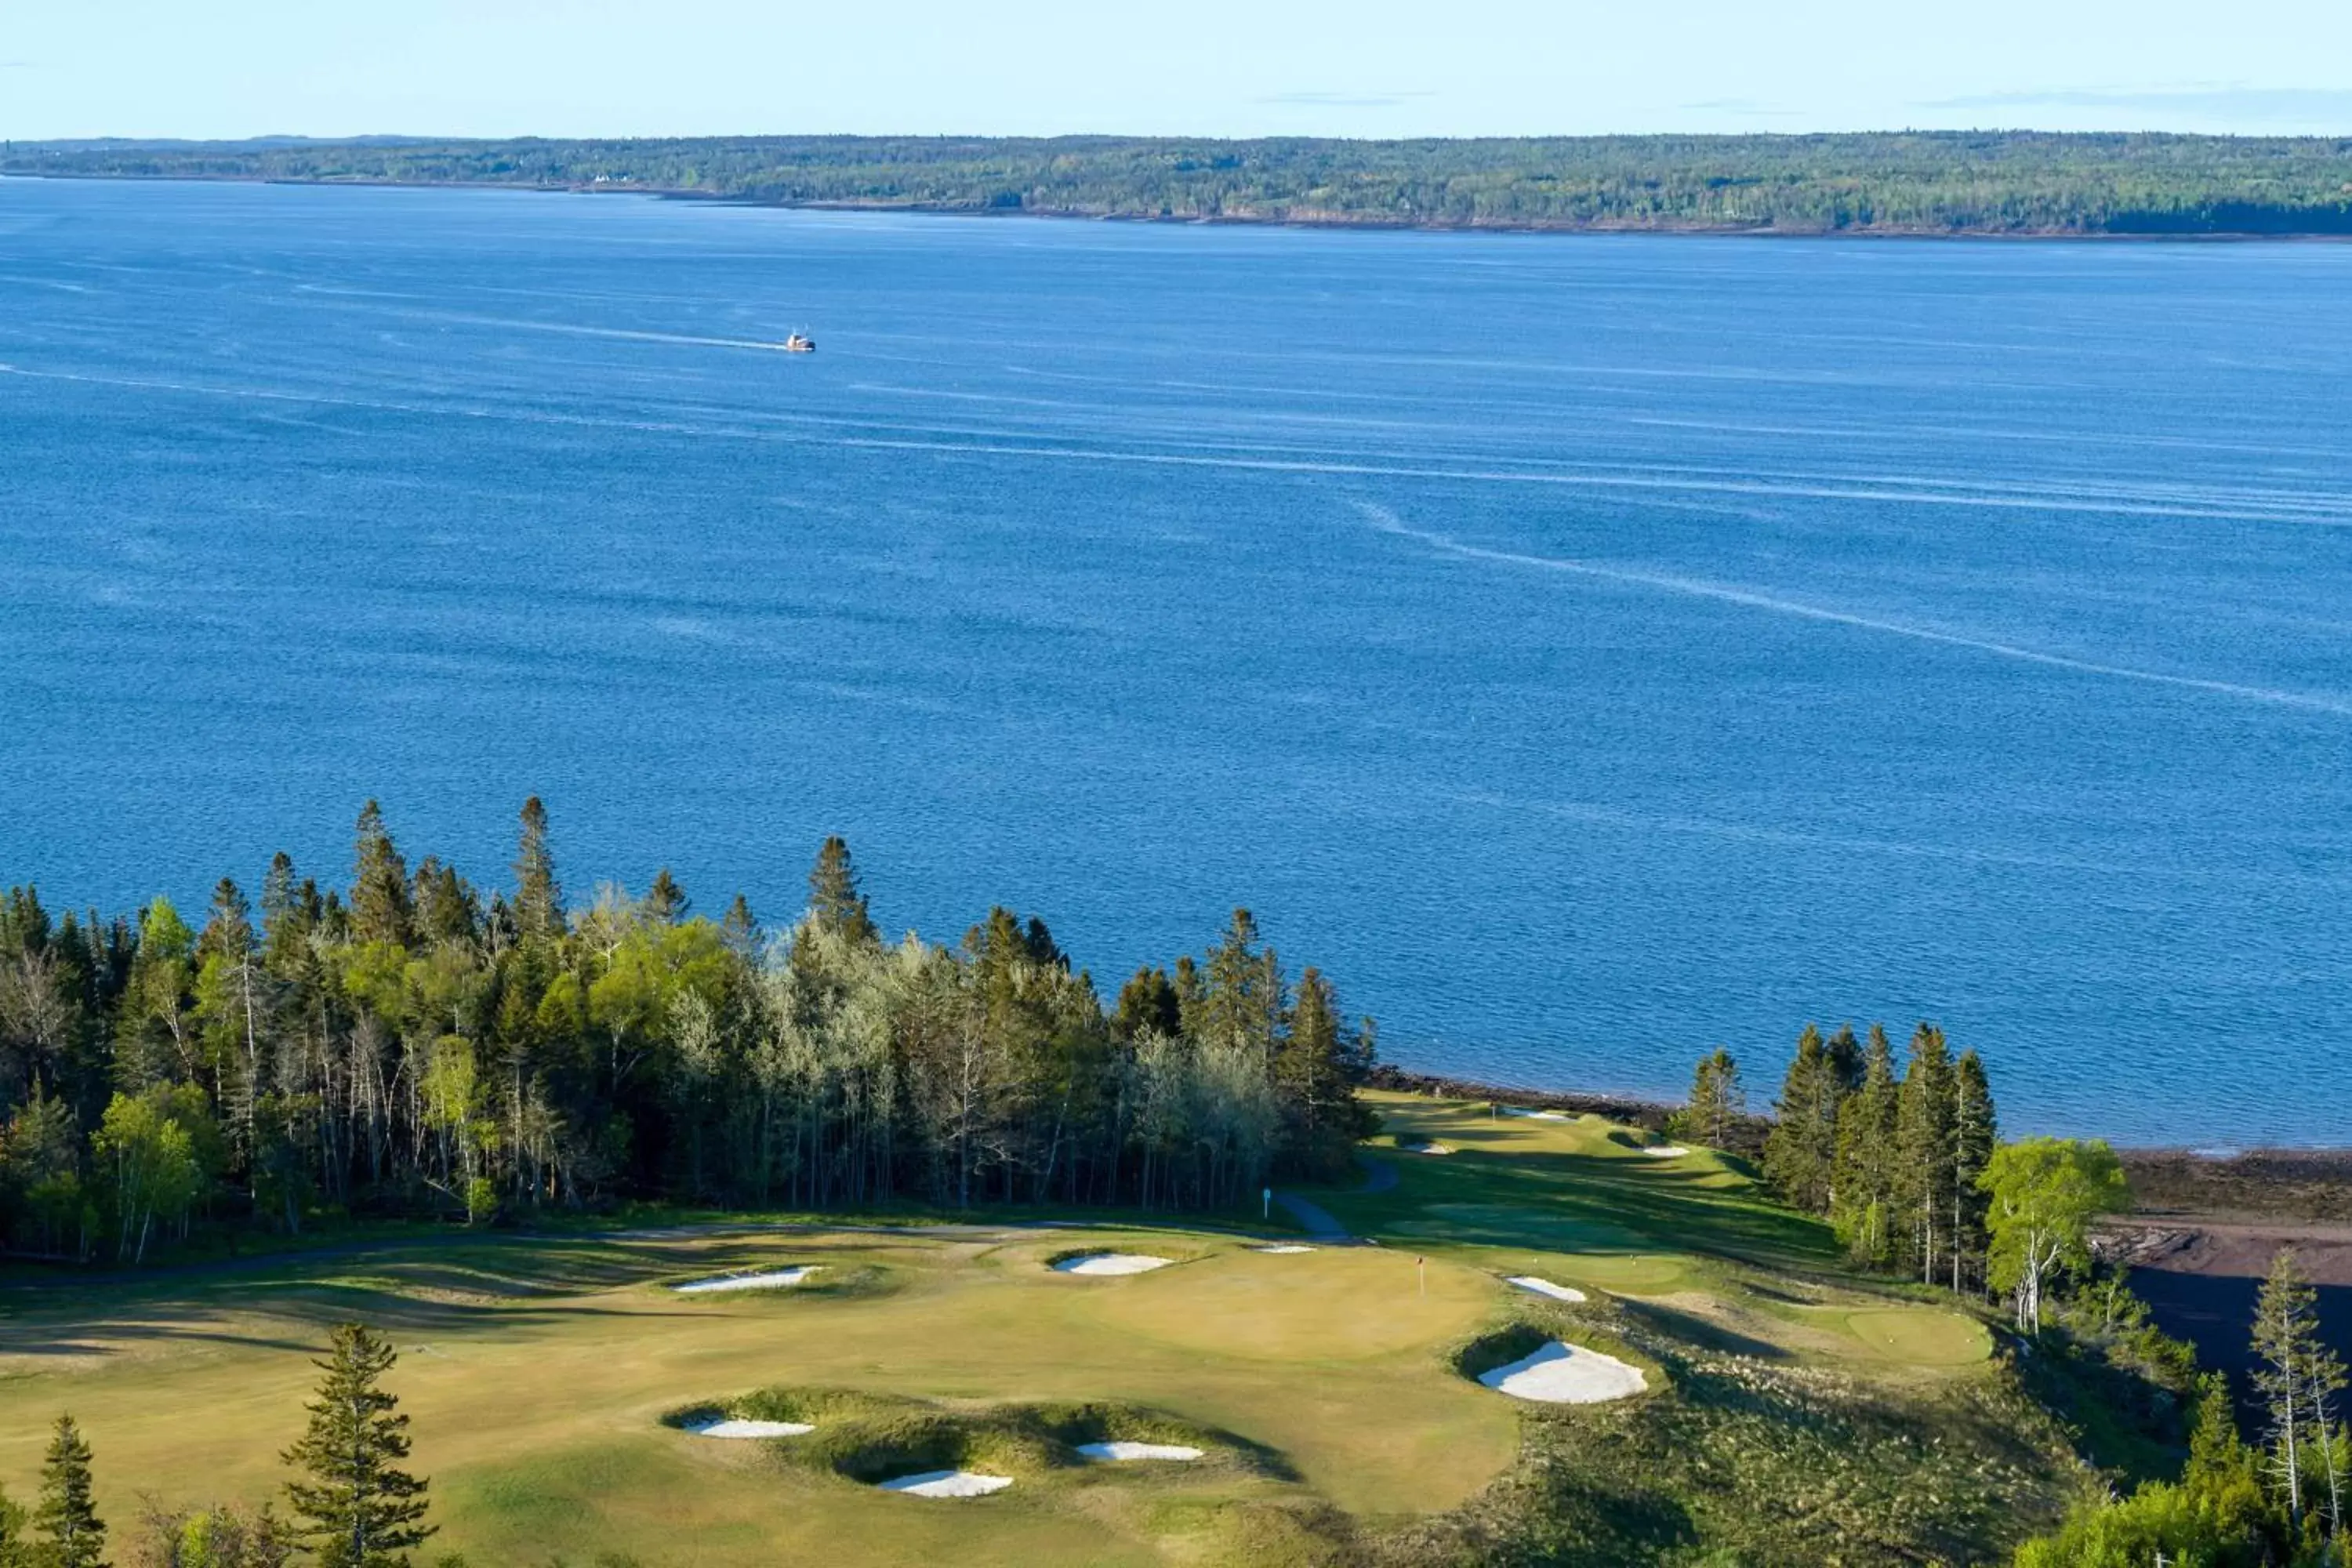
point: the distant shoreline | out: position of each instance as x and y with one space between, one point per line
1337 223
1997 184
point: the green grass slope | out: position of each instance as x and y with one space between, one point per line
1792 1413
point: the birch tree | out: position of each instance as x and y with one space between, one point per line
2045 1193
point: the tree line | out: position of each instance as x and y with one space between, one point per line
1902 182
354 1503
1894 1156
407 1045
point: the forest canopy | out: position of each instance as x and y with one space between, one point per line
407 1045
1954 182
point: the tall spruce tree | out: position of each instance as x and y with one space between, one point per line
1716 1099
381 909
15 1533
835 902
537 901
71 1533
1801 1153
1924 1146
666 901
1976 1132
1319 1121
359 1508
2297 1378
1865 1183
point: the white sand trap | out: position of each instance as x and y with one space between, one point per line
1427 1149
1284 1248
1567 1374
1552 1289
734 1429
1666 1151
774 1279
1535 1115
1138 1451
1112 1263
947 1483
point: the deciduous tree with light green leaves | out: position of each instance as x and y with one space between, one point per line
2045 1193
151 1157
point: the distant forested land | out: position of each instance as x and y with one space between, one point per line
1991 182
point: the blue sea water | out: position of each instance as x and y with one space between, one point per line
1589 650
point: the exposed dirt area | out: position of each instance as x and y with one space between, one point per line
2313 1185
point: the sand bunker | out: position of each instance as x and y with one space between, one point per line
1426 1149
1117 1450
734 1429
1534 1286
1535 1115
1565 1374
1112 1263
772 1279
1284 1248
1666 1151
947 1483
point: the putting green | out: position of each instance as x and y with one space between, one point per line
1333 1304
1919 1336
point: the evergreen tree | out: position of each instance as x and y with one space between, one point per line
1925 1147
1844 1053
1976 1131
835 902
1801 1153
15 1533
1864 1189
1243 999
666 901
1717 1101
1320 1125
381 909
72 1535
359 1508
539 900
742 932
1148 1003
2291 1368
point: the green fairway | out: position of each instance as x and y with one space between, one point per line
1325 1386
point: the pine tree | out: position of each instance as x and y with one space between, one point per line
666 901
1844 1053
835 902
72 1535
1801 1153
1320 1120
381 909
1976 1129
1866 1156
537 901
2286 1333
1924 1146
741 930
359 1508
1716 1099
1148 1003
15 1540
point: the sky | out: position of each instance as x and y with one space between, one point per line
73 68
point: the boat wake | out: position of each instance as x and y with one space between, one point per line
1388 521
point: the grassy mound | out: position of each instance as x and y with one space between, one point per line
873 1437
